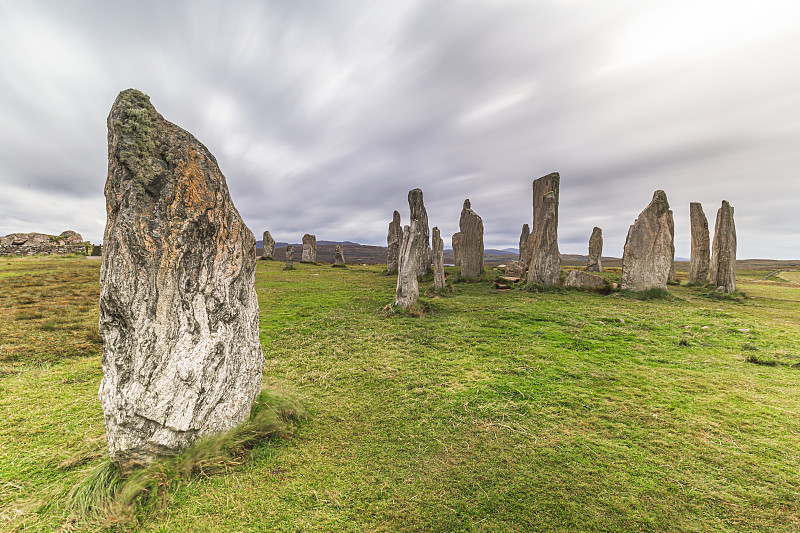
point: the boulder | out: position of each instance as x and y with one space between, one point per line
701 250
420 215
289 257
393 240
309 249
268 245
722 270
545 263
578 279
648 252
437 246
178 307
524 251
515 269
471 246
595 263
407 292
338 257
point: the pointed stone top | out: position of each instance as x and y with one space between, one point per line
396 216
415 195
467 205
661 197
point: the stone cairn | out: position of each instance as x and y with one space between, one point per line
269 246
524 251
456 240
722 272
595 263
470 251
437 246
407 293
701 249
178 306
289 257
545 263
338 257
309 249
420 216
393 240
648 252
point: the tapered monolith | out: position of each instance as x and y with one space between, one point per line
722 272
393 240
268 246
701 250
545 262
289 257
471 244
437 248
420 216
524 251
648 252
407 291
595 262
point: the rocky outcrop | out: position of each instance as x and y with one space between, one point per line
268 246
471 246
309 249
524 251
407 292
289 257
545 263
338 257
420 215
393 240
595 263
578 279
437 248
648 252
178 306
722 271
701 250
69 242
456 241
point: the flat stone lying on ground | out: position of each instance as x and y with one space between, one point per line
545 263
578 279
515 269
722 270
595 262
178 308
268 246
437 247
471 242
647 256
393 240
701 250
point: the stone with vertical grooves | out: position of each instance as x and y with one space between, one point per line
420 215
437 249
178 306
471 247
722 270
701 250
648 252
524 251
338 256
407 292
268 246
545 259
289 257
595 262
393 240
309 249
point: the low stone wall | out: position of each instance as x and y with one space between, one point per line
46 249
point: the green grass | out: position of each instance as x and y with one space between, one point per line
491 411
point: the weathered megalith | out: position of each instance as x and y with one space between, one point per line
268 245
701 249
595 263
309 249
178 306
545 263
647 256
407 292
437 247
393 240
471 252
338 256
722 271
420 215
289 257
524 251
579 279
515 269
456 241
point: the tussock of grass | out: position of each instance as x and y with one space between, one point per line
109 495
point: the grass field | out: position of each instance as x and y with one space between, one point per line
496 411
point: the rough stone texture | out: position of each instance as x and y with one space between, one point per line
338 256
268 245
524 251
178 306
722 270
595 263
545 259
407 293
578 279
648 252
289 257
420 215
701 250
437 247
96 250
456 241
69 242
393 240
471 252
309 249
515 269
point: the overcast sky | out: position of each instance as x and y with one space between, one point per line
323 114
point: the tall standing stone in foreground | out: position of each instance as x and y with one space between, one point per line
420 215
407 292
701 249
647 256
545 262
269 246
471 252
289 257
524 251
309 249
456 241
338 256
437 247
722 272
595 263
393 240
178 307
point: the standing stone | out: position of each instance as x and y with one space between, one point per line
178 306
407 293
437 245
545 262
289 257
338 256
595 263
647 256
309 249
393 240
701 249
722 272
456 240
471 253
524 251
269 246
420 215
